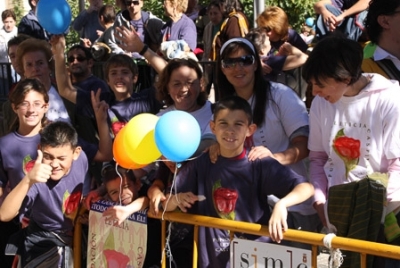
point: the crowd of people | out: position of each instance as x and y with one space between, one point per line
260 144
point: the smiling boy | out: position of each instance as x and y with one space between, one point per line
51 192
234 184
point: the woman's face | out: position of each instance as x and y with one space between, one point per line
35 65
329 89
215 15
242 75
31 110
184 88
168 7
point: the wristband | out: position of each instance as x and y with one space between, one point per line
144 49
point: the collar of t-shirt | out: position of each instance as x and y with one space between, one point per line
381 54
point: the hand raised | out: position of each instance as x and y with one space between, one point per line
40 172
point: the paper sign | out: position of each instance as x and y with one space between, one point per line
251 254
113 245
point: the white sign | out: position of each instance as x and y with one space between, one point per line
251 254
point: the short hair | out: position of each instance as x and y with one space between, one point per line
181 5
8 13
376 9
120 60
108 13
85 50
274 18
33 45
228 6
23 87
234 103
257 37
58 134
334 57
30 3
16 40
109 173
165 76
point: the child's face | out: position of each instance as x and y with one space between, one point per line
266 48
31 111
184 88
129 190
231 129
9 24
36 66
60 159
121 81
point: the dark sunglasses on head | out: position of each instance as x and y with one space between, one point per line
79 58
135 3
242 61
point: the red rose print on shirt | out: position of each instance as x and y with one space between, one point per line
348 149
224 201
71 202
27 164
116 125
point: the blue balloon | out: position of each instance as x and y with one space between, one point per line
54 15
177 135
310 22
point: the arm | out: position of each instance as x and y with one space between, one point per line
100 108
358 7
320 181
64 84
12 203
181 200
122 212
277 222
295 57
131 42
156 195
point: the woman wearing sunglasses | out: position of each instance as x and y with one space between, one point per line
281 117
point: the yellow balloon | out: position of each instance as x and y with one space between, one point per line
139 140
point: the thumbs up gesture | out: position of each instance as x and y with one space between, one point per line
40 172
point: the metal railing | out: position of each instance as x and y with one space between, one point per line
315 239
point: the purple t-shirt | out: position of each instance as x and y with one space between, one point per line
183 29
93 83
16 154
343 4
233 185
276 62
51 204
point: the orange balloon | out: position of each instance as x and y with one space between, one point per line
120 154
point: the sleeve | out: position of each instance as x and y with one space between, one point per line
81 20
276 62
112 43
296 40
291 109
277 179
25 26
317 175
315 139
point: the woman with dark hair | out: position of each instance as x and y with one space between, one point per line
281 117
354 123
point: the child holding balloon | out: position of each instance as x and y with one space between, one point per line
234 184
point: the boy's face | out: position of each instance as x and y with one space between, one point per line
9 24
231 129
126 191
12 53
60 159
121 81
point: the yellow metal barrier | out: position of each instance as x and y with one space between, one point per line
315 239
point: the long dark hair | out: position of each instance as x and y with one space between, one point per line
261 90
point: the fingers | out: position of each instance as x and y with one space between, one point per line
39 158
186 200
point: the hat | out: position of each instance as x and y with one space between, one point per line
237 40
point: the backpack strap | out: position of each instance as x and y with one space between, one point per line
244 29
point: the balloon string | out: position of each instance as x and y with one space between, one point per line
120 184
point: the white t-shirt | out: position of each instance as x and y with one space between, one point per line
370 119
57 110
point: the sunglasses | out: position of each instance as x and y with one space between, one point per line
241 61
135 3
79 58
